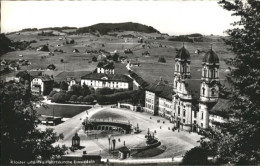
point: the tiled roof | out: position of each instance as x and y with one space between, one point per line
194 87
66 74
45 78
162 89
110 77
221 107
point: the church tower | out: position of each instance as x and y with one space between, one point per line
209 90
182 66
182 98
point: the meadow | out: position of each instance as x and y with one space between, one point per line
150 69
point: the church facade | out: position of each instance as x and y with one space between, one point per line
192 100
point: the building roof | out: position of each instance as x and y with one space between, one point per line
124 149
44 78
161 88
221 108
63 76
106 65
210 57
183 54
109 77
194 87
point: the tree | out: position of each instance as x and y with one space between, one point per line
238 141
59 97
64 85
115 57
80 99
68 95
195 156
85 90
73 98
24 75
76 89
21 140
88 98
104 91
52 93
94 59
162 60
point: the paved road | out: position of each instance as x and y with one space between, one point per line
74 124
176 142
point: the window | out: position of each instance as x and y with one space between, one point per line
194 122
176 83
203 91
183 120
205 73
201 124
195 114
202 116
179 110
213 91
184 113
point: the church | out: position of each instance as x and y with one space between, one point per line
195 103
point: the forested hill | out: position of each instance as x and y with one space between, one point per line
5 44
104 28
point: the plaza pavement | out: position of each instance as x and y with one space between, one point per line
177 143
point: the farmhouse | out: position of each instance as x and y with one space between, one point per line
42 85
195 104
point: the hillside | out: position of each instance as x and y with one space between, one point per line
104 28
5 44
196 37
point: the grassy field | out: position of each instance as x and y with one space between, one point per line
65 111
150 68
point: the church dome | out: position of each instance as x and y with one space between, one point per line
210 57
183 54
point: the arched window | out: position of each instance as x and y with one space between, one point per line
203 91
184 68
212 73
205 73
178 68
179 110
213 90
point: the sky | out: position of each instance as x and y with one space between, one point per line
172 17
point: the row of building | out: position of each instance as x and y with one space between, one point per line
190 104
103 76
